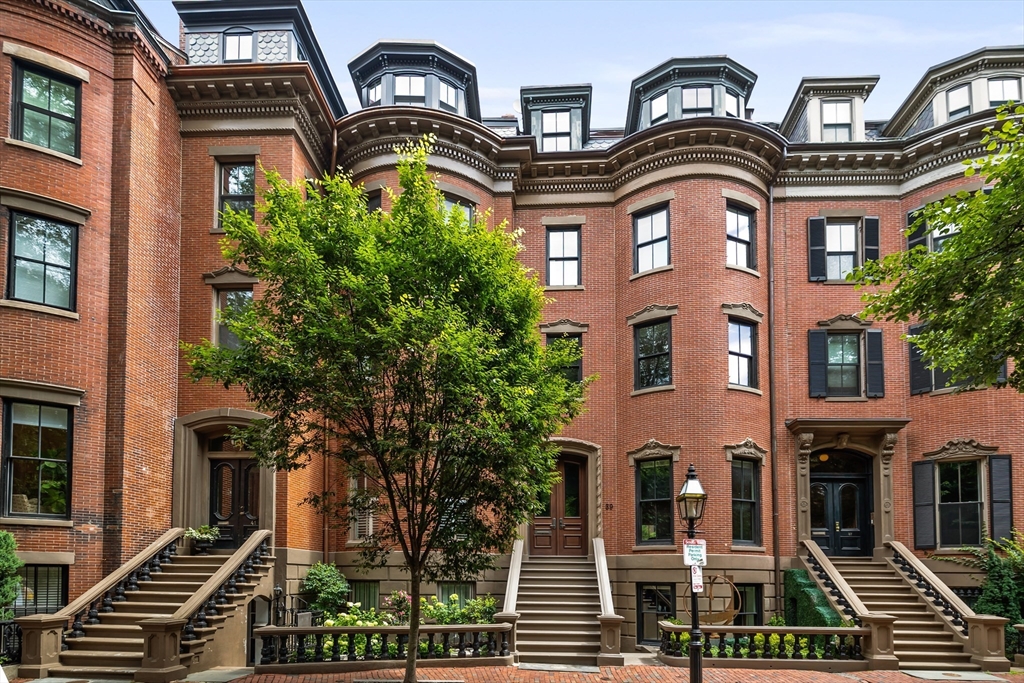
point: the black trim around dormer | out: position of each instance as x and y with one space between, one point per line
554 97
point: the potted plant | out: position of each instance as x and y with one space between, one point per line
202 537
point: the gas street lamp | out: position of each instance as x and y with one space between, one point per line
690 503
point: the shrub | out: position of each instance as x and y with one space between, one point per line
328 587
808 605
1000 595
399 606
10 582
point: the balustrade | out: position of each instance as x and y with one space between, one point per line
767 642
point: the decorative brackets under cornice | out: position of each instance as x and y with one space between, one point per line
844 322
229 275
962 448
744 311
746 449
651 450
564 326
652 312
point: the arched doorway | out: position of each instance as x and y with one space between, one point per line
840 502
561 528
234 491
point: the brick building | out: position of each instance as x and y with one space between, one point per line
696 254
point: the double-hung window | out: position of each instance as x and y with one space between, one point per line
654 501
846 363
230 301
238 47
555 132
732 105
750 612
746 517
954 488
652 354
47 111
650 240
836 120
37 459
958 101
463 592
1003 90
697 102
42 261
563 257
410 90
374 94
448 97
840 249
659 108
574 371
838 245
43 590
238 187
739 237
742 353
924 379
464 207
960 516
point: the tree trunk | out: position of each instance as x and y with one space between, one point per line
414 630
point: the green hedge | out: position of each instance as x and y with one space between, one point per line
806 605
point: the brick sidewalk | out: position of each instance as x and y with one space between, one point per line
627 674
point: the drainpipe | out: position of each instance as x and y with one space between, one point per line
334 153
774 438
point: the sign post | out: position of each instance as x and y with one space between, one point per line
696 579
695 552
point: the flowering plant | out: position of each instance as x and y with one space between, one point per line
399 605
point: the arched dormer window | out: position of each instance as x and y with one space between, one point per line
238 45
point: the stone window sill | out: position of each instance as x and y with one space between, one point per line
652 271
217 231
743 269
564 288
651 390
32 521
847 399
44 150
39 308
837 282
740 387
740 548
653 547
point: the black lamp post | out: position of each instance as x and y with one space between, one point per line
690 502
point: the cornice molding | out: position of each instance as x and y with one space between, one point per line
564 326
652 450
844 321
652 312
743 310
746 449
229 275
961 448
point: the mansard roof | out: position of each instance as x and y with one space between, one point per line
848 86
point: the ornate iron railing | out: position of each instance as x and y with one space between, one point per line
10 642
945 601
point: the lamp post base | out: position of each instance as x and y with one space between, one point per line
696 655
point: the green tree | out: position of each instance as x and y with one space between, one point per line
1001 595
10 582
404 346
971 292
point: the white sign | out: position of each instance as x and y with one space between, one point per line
695 552
697 578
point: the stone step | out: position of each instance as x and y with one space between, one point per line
125 618
548 588
564 625
93 672
188 576
92 658
570 658
170 585
552 645
921 645
937 664
113 631
577 633
103 644
200 559
917 655
591 603
190 568
157 596
921 633
147 607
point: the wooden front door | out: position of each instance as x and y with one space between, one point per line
234 500
561 529
840 523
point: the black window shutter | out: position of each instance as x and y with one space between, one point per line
817 356
1001 494
875 366
871 251
924 505
920 235
817 270
920 375
1001 374
752 264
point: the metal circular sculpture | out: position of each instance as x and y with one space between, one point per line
723 601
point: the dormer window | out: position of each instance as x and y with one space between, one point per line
374 94
238 47
959 101
448 97
836 121
1002 90
697 102
410 90
555 132
659 108
732 105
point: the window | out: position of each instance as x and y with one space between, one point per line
654 602
238 187
739 237
448 97
366 593
409 90
959 101
233 301
361 522
37 455
563 257
373 201
44 590
836 121
1003 90
374 94
46 110
42 261
924 379
846 363
746 516
654 501
751 611
840 249
237 47
464 591
555 132
573 372
467 209
742 353
959 496
659 108
697 102
732 105
650 237
653 350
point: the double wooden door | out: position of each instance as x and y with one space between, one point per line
561 528
840 518
234 500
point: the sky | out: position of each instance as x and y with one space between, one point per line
609 43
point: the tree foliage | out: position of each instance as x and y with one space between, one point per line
405 347
10 582
971 293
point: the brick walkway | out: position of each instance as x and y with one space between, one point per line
628 674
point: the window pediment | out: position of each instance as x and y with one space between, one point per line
961 448
844 322
651 450
229 275
652 312
564 326
746 449
744 311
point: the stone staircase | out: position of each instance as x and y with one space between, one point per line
558 606
921 638
112 648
